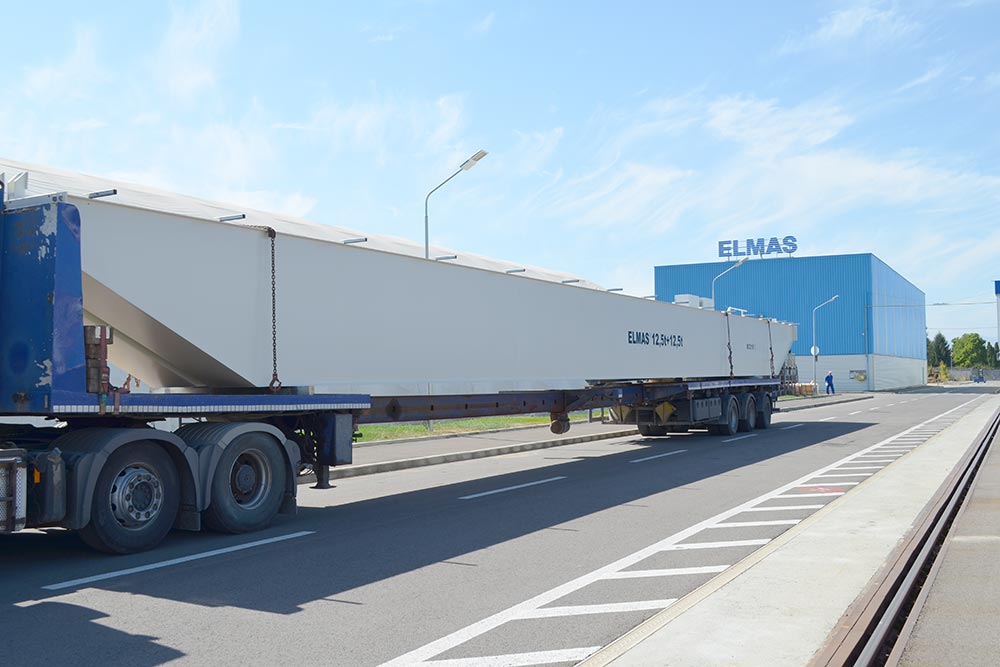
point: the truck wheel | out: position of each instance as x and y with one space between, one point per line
135 500
652 430
750 423
764 413
731 424
248 485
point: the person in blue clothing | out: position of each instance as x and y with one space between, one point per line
829 383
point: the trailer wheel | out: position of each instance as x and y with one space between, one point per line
248 485
732 414
135 500
652 430
764 413
750 422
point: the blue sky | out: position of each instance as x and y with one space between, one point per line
621 135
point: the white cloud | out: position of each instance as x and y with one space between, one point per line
387 35
483 25
859 23
992 81
189 55
767 129
925 78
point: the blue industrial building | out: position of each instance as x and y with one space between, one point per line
873 336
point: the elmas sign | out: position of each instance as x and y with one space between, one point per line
760 247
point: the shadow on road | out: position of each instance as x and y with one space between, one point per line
373 540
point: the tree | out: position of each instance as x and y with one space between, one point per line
938 351
969 351
992 349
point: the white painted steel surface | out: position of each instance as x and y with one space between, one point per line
190 301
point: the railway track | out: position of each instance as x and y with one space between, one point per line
874 631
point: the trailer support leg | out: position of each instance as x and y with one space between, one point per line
335 446
322 476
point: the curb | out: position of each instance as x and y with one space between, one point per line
846 399
341 472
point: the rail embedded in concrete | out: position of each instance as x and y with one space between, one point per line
875 629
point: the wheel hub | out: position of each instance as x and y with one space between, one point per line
250 478
136 497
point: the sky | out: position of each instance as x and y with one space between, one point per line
621 135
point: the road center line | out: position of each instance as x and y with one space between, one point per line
788 428
856 412
512 488
72 583
742 437
826 419
657 456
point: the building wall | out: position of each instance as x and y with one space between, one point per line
878 313
856 372
898 317
786 288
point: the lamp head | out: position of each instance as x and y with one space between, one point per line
471 162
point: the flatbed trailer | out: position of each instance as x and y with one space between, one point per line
105 470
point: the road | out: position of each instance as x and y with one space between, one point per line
540 557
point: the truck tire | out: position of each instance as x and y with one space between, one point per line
764 413
731 414
135 500
652 430
749 422
248 485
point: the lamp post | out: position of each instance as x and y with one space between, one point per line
722 274
466 166
815 350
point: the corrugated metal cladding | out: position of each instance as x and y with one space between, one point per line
875 303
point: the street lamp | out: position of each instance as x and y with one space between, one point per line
815 350
466 166
722 274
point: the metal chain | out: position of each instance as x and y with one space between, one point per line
770 344
275 382
729 344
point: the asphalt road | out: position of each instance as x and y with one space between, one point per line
539 556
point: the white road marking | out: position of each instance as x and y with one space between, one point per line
742 437
872 409
669 572
856 412
811 495
890 405
862 468
657 456
423 654
815 484
174 561
788 428
785 507
856 474
519 659
715 545
512 488
826 419
609 608
756 524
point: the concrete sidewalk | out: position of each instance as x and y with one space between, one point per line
778 606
